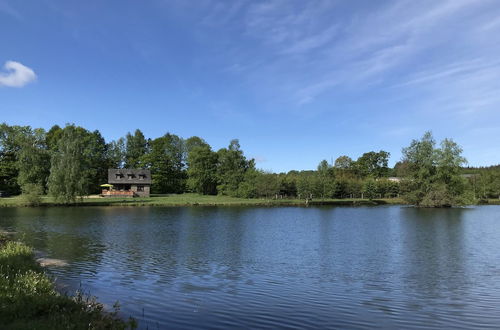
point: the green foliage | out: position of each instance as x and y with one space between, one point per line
28 299
344 167
194 142
326 180
53 136
247 188
400 169
388 189
66 180
95 152
309 186
344 163
32 194
136 148
373 164
9 156
16 257
115 153
341 188
78 164
166 161
287 185
433 178
259 184
267 184
486 184
72 162
8 173
202 169
33 161
231 169
324 169
370 189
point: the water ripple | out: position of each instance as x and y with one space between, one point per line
268 268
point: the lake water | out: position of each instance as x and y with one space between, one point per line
290 267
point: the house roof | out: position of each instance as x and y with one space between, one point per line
129 176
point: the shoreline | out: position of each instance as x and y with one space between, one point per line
31 301
189 200
200 200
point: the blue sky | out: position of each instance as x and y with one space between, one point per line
295 81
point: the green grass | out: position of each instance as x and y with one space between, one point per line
201 200
28 299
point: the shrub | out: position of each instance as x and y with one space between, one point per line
16 257
32 194
28 299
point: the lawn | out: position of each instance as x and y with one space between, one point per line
198 200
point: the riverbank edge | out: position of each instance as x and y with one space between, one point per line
200 200
29 300
190 200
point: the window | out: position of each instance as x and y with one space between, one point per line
140 188
142 176
130 176
118 176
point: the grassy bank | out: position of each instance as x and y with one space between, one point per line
200 200
28 299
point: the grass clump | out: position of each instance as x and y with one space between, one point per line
28 299
16 257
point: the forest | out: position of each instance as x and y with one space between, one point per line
70 162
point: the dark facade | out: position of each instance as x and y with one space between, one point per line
135 181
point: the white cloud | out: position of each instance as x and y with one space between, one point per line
16 75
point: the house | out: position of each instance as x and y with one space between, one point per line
128 183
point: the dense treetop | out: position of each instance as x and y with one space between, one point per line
72 161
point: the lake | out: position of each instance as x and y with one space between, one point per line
287 267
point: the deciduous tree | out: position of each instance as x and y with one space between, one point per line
433 178
166 161
231 168
202 169
136 148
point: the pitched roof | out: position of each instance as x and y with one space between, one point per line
129 176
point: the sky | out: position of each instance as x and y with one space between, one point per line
295 81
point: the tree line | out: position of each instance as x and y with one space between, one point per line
71 161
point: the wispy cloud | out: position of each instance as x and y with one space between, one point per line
301 55
16 75
305 50
6 8
462 87
388 44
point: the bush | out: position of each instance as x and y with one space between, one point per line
16 257
28 299
370 189
32 194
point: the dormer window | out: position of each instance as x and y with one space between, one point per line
118 176
130 176
142 176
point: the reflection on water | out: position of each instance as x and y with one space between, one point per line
343 267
